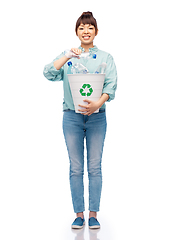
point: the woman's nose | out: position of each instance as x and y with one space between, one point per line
85 30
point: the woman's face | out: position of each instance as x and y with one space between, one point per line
86 33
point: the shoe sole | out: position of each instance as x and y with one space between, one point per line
94 227
77 227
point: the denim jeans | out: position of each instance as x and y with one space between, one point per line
77 127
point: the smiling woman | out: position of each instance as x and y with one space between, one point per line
88 124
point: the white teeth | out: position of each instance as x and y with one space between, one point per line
87 37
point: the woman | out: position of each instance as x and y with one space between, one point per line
87 124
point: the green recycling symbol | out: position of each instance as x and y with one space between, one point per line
83 88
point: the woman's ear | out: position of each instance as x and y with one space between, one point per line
97 32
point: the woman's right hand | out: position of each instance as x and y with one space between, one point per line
74 52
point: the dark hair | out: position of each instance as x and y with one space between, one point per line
86 18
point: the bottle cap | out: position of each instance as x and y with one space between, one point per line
69 63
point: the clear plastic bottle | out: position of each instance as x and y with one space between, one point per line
79 68
101 68
76 68
87 55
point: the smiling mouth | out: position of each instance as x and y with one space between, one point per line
86 37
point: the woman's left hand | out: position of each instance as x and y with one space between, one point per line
90 108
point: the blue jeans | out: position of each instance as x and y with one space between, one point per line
76 127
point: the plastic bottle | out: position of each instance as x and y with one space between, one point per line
101 68
79 68
87 55
76 68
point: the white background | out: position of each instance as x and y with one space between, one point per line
35 201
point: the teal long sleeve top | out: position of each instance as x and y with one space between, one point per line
110 82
